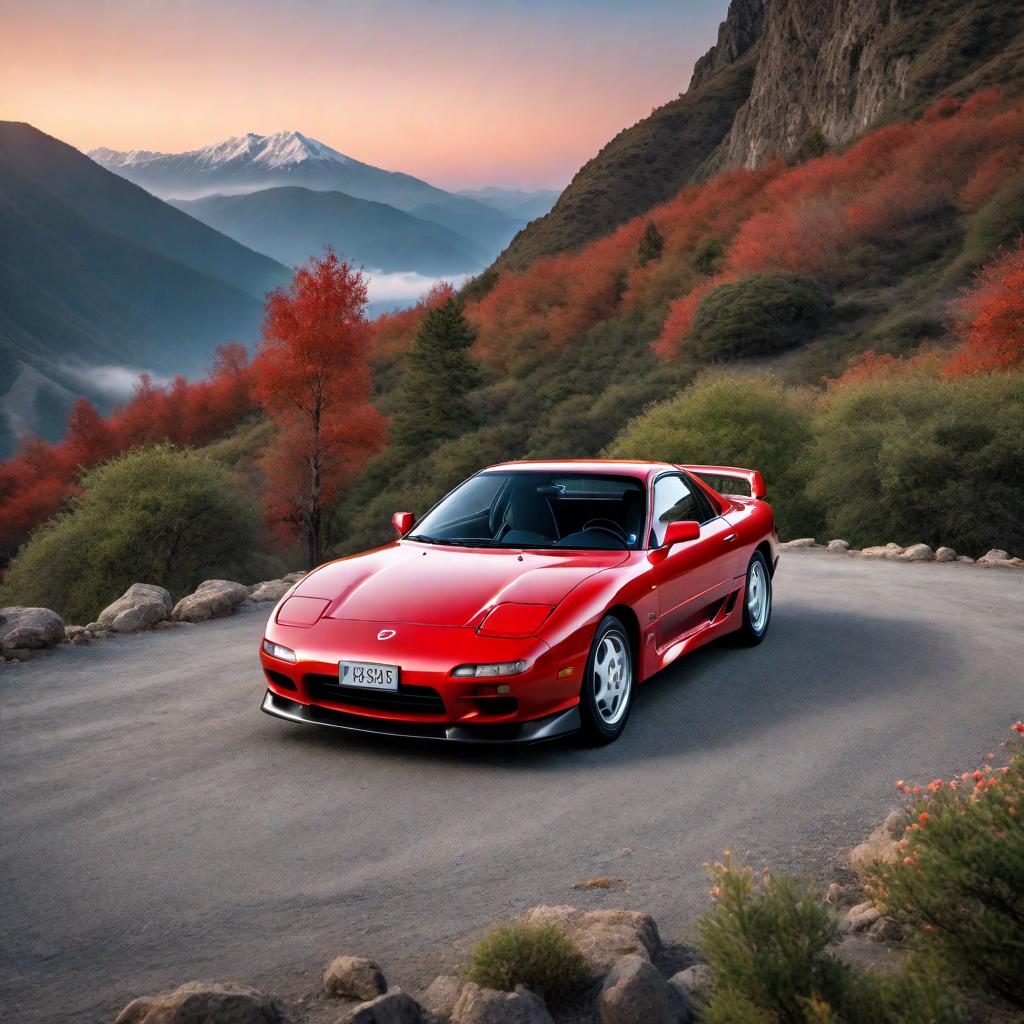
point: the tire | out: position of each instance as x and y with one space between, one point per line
606 696
757 602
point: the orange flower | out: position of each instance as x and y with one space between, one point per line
923 817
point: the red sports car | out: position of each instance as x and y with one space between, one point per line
526 604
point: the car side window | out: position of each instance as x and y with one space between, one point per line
674 502
708 512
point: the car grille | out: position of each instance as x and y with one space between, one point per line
409 700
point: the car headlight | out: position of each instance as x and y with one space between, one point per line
277 651
502 668
513 619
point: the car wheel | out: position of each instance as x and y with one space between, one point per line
607 692
757 602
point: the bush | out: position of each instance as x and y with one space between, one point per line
751 422
766 942
160 515
914 458
540 956
959 886
757 316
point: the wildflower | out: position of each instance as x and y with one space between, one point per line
1018 727
900 784
923 817
917 791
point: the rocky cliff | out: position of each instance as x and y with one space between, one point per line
784 72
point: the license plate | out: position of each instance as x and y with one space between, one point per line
368 675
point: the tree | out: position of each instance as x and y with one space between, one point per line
651 245
161 515
440 375
313 380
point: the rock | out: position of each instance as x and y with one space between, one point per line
885 929
29 629
354 976
878 551
834 893
70 632
995 555
800 542
141 606
635 990
838 547
604 935
270 590
945 554
292 577
211 600
964 558
860 917
880 845
442 994
918 553
203 1003
394 1007
477 1005
895 824
695 979
19 653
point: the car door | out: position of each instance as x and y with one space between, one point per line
694 576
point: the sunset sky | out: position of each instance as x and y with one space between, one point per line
459 92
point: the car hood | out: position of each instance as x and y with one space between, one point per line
433 585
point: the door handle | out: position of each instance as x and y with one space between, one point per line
730 536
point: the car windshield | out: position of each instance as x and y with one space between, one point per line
528 509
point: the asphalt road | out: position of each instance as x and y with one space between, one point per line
157 828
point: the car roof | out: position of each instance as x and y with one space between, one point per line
619 467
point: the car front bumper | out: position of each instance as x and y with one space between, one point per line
560 724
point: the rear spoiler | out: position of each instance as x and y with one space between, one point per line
753 478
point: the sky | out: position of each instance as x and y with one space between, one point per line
462 93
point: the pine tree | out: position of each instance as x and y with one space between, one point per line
440 374
651 245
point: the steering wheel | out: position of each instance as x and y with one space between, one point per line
608 526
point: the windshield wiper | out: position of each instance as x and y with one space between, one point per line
455 542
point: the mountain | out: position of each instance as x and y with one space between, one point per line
785 77
291 224
99 278
513 202
254 162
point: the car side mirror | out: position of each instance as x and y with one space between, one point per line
402 522
688 529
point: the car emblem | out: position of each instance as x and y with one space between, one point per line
385 634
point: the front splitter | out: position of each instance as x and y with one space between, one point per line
560 724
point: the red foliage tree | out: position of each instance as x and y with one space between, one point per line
313 380
991 328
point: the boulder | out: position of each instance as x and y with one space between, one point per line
32 629
270 590
860 917
634 990
203 1003
918 553
292 577
141 606
441 996
838 547
945 554
880 845
355 977
877 551
885 929
895 824
603 935
212 600
695 979
394 1007
995 555
800 542
477 1005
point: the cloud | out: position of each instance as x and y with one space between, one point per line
115 383
404 286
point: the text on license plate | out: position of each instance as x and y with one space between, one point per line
368 674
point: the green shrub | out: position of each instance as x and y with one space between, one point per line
758 315
160 515
708 256
959 884
540 956
751 422
918 458
767 940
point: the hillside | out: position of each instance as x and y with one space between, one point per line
122 209
98 280
291 224
786 76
